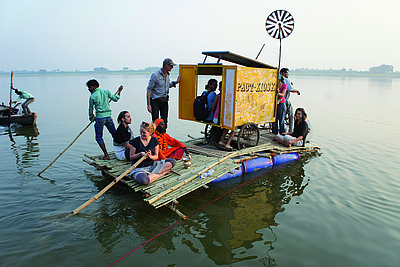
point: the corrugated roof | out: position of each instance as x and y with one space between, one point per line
237 59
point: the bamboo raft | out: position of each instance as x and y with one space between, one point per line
181 181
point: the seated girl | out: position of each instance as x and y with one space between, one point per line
295 138
122 136
150 169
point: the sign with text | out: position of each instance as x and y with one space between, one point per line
255 95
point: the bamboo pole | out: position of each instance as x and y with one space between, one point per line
191 178
72 141
11 88
190 188
108 186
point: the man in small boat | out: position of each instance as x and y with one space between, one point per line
24 95
122 137
289 109
158 91
99 100
169 147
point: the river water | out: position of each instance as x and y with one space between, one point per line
338 207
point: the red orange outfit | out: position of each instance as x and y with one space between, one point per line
176 149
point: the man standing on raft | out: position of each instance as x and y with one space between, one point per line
99 100
158 91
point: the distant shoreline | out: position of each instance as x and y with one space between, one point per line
145 72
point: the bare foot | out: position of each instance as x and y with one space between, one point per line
104 158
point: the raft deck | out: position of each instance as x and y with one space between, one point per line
181 181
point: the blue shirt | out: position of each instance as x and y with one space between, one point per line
159 85
210 101
289 88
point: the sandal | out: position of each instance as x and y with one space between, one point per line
221 144
229 147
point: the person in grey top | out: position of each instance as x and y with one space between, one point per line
158 91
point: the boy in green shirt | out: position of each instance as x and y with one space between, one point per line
99 100
24 95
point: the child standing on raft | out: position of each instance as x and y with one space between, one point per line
99 100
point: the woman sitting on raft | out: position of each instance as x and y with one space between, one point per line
122 137
150 169
295 138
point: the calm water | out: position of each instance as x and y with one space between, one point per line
339 207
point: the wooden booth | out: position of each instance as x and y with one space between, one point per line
248 95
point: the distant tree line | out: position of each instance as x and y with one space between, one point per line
382 69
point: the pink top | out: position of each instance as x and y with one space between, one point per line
282 99
216 112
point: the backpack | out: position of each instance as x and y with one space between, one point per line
200 107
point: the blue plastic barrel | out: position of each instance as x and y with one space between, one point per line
256 164
283 158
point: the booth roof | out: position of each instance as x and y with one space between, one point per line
237 59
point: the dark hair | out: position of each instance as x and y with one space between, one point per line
303 112
93 82
121 116
284 70
18 92
210 81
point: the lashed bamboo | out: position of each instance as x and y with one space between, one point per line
199 161
190 187
191 178
76 138
165 181
108 186
173 180
160 189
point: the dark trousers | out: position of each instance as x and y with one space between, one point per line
159 109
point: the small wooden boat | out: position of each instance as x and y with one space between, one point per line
22 119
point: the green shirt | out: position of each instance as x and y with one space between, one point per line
24 95
99 100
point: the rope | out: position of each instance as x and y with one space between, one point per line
273 168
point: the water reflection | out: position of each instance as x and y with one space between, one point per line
245 223
228 231
382 83
27 152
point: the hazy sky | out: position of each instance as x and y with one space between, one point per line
81 35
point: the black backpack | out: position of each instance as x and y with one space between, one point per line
200 107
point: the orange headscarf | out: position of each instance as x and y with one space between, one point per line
158 121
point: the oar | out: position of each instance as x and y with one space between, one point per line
11 88
109 186
90 123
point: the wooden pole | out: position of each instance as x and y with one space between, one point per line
150 201
11 89
72 142
109 186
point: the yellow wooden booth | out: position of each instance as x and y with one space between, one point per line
248 95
